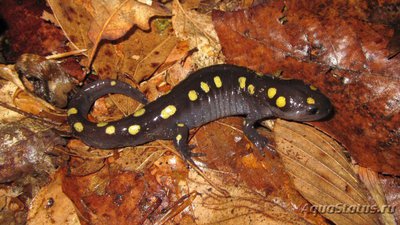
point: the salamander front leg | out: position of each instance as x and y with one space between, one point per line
258 140
181 143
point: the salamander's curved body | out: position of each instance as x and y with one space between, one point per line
206 95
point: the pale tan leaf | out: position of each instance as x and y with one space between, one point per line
6 91
154 59
371 181
243 206
74 19
320 171
77 18
140 157
198 29
8 72
114 18
52 206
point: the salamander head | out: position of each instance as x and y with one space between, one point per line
295 100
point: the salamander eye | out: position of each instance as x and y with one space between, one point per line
312 110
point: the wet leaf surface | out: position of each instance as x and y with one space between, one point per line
342 47
345 57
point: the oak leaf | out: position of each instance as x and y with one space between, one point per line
112 19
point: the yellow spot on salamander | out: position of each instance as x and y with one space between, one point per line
192 95
72 111
217 81
113 83
204 86
181 125
78 126
313 88
134 129
242 82
139 112
168 111
110 130
102 124
281 101
310 101
250 89
271 92
178 137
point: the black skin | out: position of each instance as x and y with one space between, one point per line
227 100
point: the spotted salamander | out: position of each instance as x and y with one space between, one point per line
206 95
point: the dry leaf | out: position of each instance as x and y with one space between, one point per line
320 171
37 107
78 148
244 206
113 197
112 19
12 208
371 181
8 72
154 59
135 52
52 206
199 31
74 20
228 150
6 90
139 158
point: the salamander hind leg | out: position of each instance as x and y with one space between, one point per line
181 143
257 139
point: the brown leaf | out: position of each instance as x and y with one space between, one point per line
24 148
52 206
243 206
115 197
13 209
320 171
227 150
27 32
116 58
37 107
390 186
139 158
112 19
371 181
154 59
198 30
74 19
346 58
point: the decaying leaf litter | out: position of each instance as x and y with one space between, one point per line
260 189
